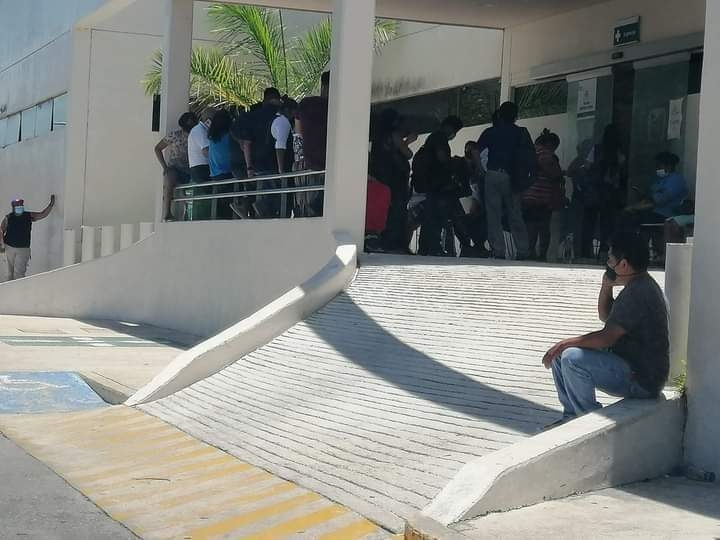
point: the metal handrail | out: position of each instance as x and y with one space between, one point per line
231 181
236 194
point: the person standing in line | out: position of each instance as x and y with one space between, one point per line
283 133
220 159
198 151
544 196
312 127
176 168
253 133
511 165
15 236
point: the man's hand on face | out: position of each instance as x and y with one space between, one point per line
606 283
554 352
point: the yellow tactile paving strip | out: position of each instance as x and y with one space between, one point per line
161 483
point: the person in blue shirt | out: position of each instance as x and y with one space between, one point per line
219 158
666 196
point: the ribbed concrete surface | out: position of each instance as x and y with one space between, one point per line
379 398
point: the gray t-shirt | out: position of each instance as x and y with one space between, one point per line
641 311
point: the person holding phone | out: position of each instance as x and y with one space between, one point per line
629 357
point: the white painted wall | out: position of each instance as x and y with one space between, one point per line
196 277
702 439
424 58
587 31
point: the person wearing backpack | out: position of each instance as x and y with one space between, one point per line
512 164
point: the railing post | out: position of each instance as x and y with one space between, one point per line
69 247
107 240
88 243
146 229
127 235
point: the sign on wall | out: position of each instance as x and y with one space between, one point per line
626 32
675 119
587 98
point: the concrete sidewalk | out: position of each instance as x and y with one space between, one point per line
36 503
120 357
668 508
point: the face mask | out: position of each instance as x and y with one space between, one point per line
19 210
662 173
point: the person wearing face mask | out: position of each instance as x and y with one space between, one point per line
667 193
15 232
629 357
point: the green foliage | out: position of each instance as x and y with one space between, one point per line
255 53
680 382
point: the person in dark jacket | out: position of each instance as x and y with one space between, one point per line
15 235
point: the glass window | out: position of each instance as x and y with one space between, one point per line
12 129
542 99
3 125
478 102
43 118
27 128
59 112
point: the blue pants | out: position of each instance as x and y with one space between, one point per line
578 372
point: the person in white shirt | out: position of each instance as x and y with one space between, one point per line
198 147
282 133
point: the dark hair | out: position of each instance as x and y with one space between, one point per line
220 125
271 93
548 138
508 112
188 121
325 78
633 247
668 158
288 104
453 122
470 146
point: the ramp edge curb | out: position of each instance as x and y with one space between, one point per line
629 441
216 353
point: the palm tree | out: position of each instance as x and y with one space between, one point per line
253 53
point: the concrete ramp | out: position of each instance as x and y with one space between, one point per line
379 398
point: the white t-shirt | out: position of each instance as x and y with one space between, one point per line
197 141
280 130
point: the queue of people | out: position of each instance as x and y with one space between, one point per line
275 136
507 191
506 197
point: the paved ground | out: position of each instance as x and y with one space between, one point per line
377 400
36 503
164 484
123 356
671 508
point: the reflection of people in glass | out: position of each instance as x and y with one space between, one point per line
611 174
586 198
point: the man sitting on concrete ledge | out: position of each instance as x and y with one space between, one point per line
629 357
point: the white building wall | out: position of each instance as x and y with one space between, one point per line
35 51
424 58
588 31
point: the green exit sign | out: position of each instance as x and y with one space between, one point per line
626 32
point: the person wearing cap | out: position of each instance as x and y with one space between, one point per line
15 232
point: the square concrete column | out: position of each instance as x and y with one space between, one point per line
175 87
349 117
702 440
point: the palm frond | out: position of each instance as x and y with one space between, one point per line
216 79
311 55
255 32
385 31
153 77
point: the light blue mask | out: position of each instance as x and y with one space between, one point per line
19 210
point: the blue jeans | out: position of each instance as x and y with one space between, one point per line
578 372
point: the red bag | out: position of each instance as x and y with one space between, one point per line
378 204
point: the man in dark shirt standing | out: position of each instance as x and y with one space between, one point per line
629 357
15 232
312 126
511 162
253 131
